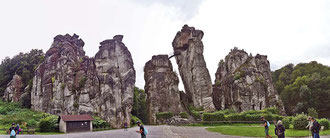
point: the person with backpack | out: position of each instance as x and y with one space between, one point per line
279 129
142 130
316 128
12 131
266 125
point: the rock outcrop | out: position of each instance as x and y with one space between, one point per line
244 82
188 51
68 82
14 89
161 86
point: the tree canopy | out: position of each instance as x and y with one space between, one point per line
23 64
306 85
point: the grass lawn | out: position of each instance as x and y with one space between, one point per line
255 130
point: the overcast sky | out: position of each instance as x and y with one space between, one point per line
288 31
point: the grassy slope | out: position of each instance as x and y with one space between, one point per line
256 130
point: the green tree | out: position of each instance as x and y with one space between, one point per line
139 104
306 85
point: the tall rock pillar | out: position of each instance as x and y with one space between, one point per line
188 51
161 86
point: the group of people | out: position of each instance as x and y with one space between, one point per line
313 126
14 130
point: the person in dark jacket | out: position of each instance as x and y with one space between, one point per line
316 128
279 130
141 131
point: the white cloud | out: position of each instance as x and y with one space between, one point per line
287 31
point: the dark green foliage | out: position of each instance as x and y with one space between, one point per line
304 86
235 117
192 108
82 83
164 115
196 115
99 123
135 119
31 123
23 64
75 105
286 122
184 115
216 116
300 121
48 124
312 112
324 122
139 104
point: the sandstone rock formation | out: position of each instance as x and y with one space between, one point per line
14 90
68 82
188 51
244 82
161 86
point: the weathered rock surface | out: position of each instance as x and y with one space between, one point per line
161 86
244 82
68 82
14 89
188 51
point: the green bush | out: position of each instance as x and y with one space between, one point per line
286 122
235 117
216 116
312 112
31 123
272 110
164 115
48 124
196 115
251 117
324 122
300 121
192 108
183 115
134 119
98 122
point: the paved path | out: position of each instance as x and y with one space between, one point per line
163 131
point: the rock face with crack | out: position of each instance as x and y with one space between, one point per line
243 82
14 90
188 50
68 82
161 86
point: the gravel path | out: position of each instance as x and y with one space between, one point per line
163 131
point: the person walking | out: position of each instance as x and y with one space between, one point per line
12 131
141 131
279 130
266 125
316 128
309 126
125 126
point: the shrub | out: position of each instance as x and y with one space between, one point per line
48 124
249 117
164 115
324 122
234 117
312 112
196 115
286 122
216 116
31 123
183 115
134 119
272 110
98 122
300 121
192 108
